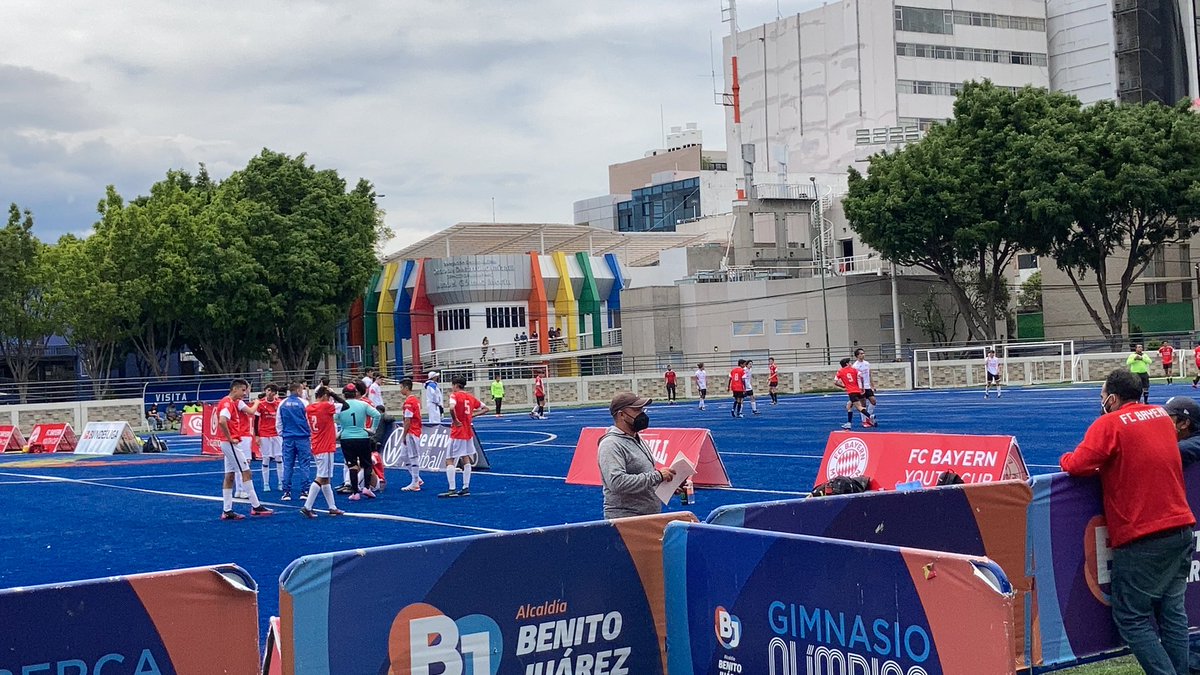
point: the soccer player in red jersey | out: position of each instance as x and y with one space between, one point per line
410 437
1167 353
324 445
270 443
847 378
737 386
539 395
463 408
669 378
230 431
773 380
1196 355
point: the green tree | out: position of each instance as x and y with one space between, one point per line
95 314
1030 296
29 317
1122 183
944 203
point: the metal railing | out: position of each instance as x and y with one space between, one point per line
523 350
793 191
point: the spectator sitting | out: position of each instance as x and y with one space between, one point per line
173 416
153 419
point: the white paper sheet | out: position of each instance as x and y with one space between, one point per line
683 469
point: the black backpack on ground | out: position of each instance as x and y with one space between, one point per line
154 444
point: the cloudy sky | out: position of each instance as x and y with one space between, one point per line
442 105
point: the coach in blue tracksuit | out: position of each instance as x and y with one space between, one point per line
297 452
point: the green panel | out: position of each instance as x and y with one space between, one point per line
1168 317
371 321
1031 326
589 298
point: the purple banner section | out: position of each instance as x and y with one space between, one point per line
748 601
1070 558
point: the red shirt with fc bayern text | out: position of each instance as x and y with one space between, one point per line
737 379
849 377
412 413
267 413
462 405
230 410
1134 451
1167 353
538 390
320 423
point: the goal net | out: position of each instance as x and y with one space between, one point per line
1039 362
948 367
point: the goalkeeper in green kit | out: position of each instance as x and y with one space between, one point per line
1139 364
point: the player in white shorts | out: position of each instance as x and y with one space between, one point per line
701 378
230 430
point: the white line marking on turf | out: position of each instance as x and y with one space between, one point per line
210 498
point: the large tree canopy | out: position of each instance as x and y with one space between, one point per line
30 316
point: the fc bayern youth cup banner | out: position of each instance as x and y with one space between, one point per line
664 443
581 598
435 443
747 601
52 438
890 459
184 622
982 519
1071 559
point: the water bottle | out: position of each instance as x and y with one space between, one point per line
687 493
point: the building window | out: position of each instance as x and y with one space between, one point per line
922 123
791 326
936 88
885 322
922 20
1158 263
1027 261
1185 291
975 54
748 328
454 319
1156 293
505 317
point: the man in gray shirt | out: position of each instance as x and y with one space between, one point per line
626 464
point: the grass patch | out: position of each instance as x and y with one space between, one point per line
1124 665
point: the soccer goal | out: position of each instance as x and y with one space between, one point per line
1039 362
948 367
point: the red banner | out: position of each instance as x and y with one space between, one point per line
695 444
52 438
211 440
893 458
192 424
11 439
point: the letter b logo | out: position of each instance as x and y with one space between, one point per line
422 637
728 628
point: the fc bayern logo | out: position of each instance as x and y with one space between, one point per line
849 458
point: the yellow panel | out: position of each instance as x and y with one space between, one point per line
385 323
566 311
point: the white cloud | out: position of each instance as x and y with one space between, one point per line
444 106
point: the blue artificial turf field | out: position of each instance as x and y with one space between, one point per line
76 518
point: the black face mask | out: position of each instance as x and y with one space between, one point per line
641 422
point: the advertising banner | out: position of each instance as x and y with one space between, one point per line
192 621
52 438
984 519
695 444
1070 557
11 439
582 598
107 438
192 424
210 443
893 458
746 601
435 442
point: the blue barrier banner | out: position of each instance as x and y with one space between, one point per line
193 621
982 519
747 601
583 598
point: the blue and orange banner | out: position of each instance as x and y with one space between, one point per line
588 595
747 601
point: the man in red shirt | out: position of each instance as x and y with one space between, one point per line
1196 355
410 437
773 380
231 431
669 377
737 386
270 443
324 444
1167 353
1132 447
847 378
539 395
463 408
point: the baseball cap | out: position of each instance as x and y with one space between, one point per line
627 399
434 373
1182 406
349 389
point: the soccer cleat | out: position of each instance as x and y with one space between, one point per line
336 512
308 513
232 515
355 497
985 394
997 394
287 497
368 492
411 488
242 495
261 510
847 425
757 412
447 495
304 495
465 492
867 424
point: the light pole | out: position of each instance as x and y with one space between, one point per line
820 219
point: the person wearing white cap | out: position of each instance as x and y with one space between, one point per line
626 463
433 398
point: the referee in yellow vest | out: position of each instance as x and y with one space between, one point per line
497 393
1139 364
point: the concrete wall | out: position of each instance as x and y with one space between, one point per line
626 177
76 414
